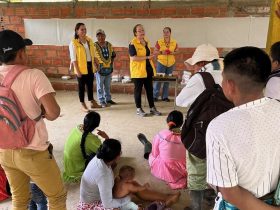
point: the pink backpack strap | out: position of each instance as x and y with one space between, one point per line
12 74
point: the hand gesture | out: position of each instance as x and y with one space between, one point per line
102 134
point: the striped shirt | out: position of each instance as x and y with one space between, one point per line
243 147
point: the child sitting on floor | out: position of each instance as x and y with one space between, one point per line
125 184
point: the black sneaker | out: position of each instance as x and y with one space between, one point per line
142 138
166 99
111 102
141 112
154 111
155 99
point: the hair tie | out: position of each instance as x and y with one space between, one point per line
170 124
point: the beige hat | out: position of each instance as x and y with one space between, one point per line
100 31
204 52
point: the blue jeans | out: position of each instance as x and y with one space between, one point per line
103 84
157 85
38 199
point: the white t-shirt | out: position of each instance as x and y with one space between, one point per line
243 147
195 86
272 88
29 86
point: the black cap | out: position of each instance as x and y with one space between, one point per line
11 41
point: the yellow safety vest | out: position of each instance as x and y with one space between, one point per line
167 60
138 68
82 57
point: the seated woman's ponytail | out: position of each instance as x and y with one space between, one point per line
91 121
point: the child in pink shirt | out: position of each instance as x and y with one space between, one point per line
167 154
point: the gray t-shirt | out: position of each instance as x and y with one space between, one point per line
97 184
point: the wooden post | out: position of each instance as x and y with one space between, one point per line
274 25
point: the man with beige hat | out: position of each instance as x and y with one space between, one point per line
204 59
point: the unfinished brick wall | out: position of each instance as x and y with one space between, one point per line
54 60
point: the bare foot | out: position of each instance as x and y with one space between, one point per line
172 199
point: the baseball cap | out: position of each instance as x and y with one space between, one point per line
11 41
204 52
100 31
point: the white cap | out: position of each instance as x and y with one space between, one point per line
204 52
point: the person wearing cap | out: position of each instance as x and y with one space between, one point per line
204 59
105 54
37 98
166 49
142 70
82 53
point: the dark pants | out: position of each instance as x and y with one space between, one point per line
86 80
38 199
148 85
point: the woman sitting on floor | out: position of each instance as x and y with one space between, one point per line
81 147
96 190
167 154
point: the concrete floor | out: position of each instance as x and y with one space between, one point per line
119 122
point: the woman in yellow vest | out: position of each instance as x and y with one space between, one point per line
142 70
166 48
82 57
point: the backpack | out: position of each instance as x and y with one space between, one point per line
16 128
208 105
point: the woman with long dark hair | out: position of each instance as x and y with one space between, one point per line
82 58
81 147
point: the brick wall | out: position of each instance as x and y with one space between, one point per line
54 60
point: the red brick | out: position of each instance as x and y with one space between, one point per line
183 11
80 12
35 61
211 11
6 20
15 20
9 11
104 11
142 12
117 11
20 29
155 11
117 64
65 12
47 61
51 53
63 70
91 11
39 53
63 53
20 11
57 62
52 70
169 11
54 12
129 12
199 11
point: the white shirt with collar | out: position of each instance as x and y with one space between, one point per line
196 86
243 147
